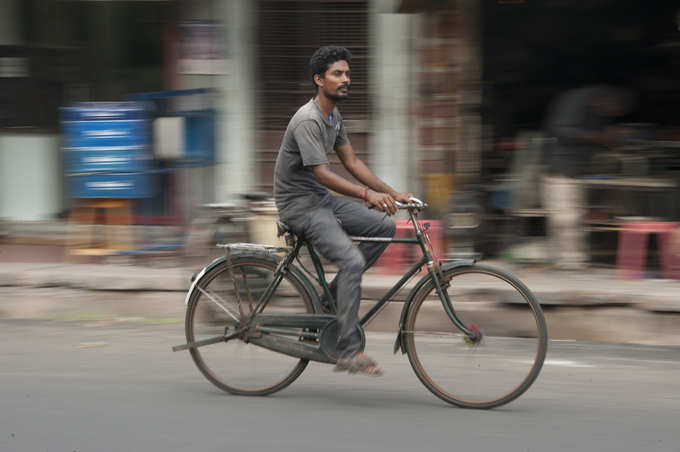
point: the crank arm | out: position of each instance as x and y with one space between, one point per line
212 340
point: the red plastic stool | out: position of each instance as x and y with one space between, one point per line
632 249
399 256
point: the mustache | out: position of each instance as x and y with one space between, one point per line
344 85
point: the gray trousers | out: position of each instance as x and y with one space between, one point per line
327 228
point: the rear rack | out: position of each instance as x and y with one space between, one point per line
252 247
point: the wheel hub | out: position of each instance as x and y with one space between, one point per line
476 337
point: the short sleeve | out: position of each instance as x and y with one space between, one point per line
310 143
341 139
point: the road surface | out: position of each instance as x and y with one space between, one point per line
82 385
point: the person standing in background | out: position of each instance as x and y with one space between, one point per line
578 125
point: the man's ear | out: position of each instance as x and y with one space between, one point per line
318 79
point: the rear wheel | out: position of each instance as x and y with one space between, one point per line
489 373
236 366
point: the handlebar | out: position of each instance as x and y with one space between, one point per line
413 204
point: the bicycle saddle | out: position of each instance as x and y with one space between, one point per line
282 228
256 196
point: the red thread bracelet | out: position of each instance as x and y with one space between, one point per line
365 193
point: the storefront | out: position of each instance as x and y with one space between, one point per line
106 50
288 33
55 52
535 51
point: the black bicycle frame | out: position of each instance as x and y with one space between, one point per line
427 259
273 323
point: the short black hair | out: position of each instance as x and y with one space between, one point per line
324 57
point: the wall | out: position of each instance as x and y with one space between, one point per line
10 32
232 172
392 142
30 164
30 177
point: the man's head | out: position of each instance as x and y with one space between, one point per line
330 68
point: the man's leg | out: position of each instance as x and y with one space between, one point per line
357 220
322 230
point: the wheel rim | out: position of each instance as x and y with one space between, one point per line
503 365
236 366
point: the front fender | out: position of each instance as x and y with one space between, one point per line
398 343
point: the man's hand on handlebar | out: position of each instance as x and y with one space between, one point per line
414 203
386 203
403 197
382 201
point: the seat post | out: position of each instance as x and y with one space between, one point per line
322 276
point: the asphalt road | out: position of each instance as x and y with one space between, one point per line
112 386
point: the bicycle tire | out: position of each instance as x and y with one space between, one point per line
513 356
203 318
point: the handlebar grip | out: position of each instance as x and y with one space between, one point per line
414 204
402 205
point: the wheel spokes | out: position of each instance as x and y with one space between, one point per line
484 373
226 298
218 302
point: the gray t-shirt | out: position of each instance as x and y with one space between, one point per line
309 138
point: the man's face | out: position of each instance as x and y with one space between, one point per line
335 81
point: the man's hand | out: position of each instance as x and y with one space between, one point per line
403 197
382 202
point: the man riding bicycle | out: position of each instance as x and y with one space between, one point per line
302 179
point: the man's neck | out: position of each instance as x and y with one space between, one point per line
325 104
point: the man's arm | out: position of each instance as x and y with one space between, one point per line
380 194
567 118
358 169
337 183
577 133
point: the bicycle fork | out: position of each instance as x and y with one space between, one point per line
472 332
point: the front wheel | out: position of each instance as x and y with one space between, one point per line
470 374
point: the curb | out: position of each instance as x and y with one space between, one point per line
619 315
96 277
99 277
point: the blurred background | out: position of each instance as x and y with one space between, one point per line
137 135
161 115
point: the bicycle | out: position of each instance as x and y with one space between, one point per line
257 304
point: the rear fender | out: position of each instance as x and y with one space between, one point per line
306 283
197 277
399 342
